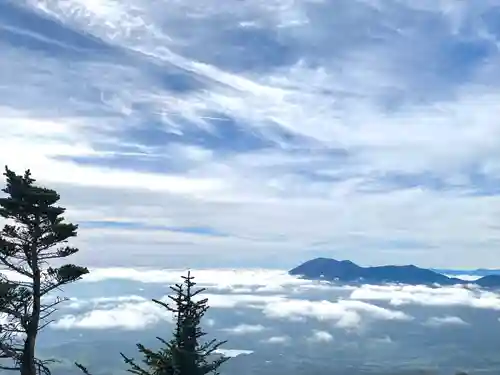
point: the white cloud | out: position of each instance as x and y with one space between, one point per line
136 313
233 352
243 329
428 296
129 316
465 277
320 336
235 300
277 340
260 280
345 314
77 303
437 321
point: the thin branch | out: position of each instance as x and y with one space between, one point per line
9 368
22 271
82 368
42 326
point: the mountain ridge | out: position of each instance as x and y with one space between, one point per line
349 272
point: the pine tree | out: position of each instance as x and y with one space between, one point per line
35 234
183 354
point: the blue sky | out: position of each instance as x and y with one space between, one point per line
260 133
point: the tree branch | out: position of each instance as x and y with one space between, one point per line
22 271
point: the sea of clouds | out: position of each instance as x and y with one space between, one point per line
274 293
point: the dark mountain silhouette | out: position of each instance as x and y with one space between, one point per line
489 281
348 272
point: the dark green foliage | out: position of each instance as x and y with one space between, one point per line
183 354
35 233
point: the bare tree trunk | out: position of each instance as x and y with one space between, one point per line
28 358
28 366
28 362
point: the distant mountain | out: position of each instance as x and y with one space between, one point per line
490 281
348 272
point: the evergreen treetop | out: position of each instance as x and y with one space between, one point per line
184 354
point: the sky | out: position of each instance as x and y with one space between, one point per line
260 133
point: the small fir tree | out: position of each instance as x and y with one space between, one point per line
34 235
183 354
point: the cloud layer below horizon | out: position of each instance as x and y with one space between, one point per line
276 296
262 132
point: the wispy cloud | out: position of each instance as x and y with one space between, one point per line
286 130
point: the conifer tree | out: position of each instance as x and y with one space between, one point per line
35 235
183 354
